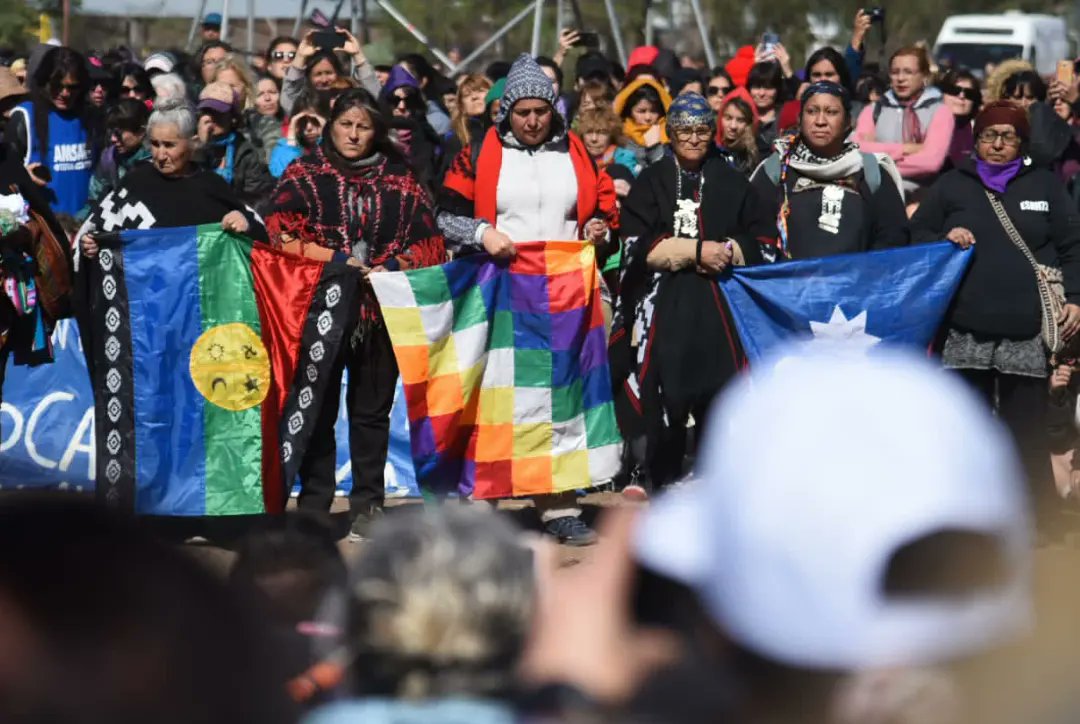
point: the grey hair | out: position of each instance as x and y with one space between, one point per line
440 603
174 112
168 86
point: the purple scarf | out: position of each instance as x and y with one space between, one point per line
996 176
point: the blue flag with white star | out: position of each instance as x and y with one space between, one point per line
895 296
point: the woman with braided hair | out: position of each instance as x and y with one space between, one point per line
826 195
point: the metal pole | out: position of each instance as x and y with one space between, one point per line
497 36
225 21
196 21
299 18
699 18
354 20
250 26
560 19
538 23
616 33
415 32
365 28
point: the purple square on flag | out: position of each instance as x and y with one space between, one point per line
529 293
594 350
488 269
467 482
423 438
568 329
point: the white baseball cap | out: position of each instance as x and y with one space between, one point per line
814 471
162 62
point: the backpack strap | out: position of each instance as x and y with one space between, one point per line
871 172
772 168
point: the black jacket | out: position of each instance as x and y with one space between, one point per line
998 295
868 221
251 181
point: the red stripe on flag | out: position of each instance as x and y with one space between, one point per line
284 286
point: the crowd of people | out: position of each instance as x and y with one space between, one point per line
766 584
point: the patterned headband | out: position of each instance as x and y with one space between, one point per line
690 109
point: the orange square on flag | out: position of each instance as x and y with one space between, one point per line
532 476
444 395
494 442
412 363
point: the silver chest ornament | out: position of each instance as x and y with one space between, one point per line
686 225
832 201
685 218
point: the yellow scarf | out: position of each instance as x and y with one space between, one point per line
636 131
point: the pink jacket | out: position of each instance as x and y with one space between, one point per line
935 148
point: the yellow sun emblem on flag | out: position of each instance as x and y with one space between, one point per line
230 367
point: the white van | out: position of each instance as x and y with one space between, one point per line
973 41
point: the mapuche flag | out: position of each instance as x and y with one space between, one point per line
505 371
210 357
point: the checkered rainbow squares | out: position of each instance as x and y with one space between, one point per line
505 371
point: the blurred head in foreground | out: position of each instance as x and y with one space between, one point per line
439 605
100 623
857 519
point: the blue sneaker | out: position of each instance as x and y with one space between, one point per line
569 530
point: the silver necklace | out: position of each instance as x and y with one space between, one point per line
685 219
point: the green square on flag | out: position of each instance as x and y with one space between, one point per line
502 331
469 309
429 286
600 426
566 402
532 368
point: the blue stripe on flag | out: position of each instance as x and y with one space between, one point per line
161 271
895 296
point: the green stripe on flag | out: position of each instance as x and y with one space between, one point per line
234 369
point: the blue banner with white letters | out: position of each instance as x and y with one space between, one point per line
894 297
47 427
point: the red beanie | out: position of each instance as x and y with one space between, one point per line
739 66
642 55
1003 113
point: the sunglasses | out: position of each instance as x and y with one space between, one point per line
968 94
283 55
402 100
717 90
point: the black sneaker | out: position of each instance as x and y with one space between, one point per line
569 530
360 530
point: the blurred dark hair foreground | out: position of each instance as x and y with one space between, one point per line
99 622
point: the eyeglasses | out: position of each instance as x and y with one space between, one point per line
283 55
128 90
685 134
968 94
717 90
1009 138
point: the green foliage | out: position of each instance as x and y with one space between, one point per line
18 24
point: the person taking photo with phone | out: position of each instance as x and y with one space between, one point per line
317 64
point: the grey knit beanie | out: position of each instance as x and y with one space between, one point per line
525 80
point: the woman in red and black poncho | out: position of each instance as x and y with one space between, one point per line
354 199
